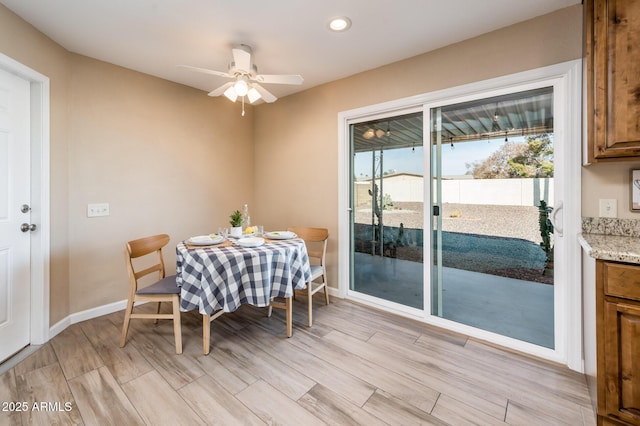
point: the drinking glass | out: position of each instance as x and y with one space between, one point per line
223 232
260 230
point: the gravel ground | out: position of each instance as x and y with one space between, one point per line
498 221
499 240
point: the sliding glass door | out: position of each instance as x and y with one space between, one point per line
387 227
489 241
455 211
493 171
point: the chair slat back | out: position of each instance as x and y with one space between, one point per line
142 247
313 235
149 270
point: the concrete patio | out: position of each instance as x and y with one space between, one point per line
515 308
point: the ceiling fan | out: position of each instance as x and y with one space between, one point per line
246 78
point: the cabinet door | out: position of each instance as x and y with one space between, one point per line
622 361
613 78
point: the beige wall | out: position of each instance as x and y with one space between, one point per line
166 157
301 131
608 181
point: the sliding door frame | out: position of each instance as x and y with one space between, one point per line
568 96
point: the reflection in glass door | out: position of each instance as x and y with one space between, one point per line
387 201
492 248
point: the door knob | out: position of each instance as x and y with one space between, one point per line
26 227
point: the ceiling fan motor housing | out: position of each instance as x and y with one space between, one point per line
233 70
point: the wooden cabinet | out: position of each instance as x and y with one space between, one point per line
612 39
618 346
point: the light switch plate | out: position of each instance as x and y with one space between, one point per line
96 210
608 208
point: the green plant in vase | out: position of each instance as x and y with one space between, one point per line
236 224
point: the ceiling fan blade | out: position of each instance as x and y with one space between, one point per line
265 94
242 57
206 71
220 90
279 79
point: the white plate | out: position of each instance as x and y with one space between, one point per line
280 235
206 240
247 235
250 242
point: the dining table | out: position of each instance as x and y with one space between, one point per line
219 278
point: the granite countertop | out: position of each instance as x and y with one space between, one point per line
611 239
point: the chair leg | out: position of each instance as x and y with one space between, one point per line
289 316
125 325
326 292
310 303
177 325
157 312
206 334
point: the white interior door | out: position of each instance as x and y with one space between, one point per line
15 283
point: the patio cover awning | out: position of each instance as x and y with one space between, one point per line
516 114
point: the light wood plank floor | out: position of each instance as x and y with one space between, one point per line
356 365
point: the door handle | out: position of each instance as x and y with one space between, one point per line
554 220
25 227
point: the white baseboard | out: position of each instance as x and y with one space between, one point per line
110 308
334 292
74 318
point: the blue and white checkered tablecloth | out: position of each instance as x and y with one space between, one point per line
214 278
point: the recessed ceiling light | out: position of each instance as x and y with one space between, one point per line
339 24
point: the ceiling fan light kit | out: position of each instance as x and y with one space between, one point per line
368 134
241 87
379 133
253 95
246 78
230 94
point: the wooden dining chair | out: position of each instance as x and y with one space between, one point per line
316 242
162 290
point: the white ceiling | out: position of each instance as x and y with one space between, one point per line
287 36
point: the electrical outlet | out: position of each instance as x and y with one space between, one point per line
96 210
608 208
